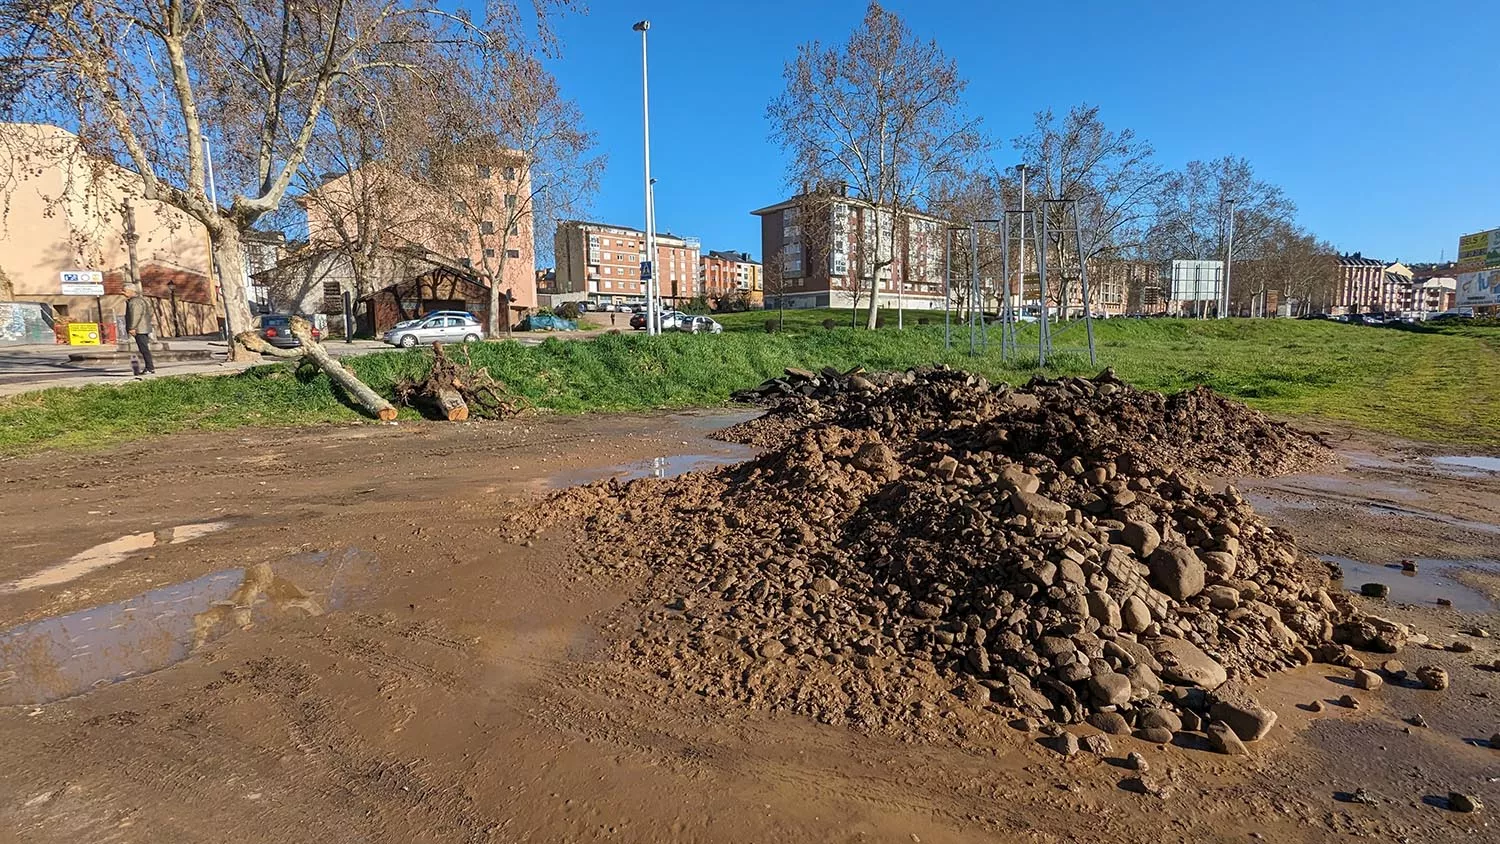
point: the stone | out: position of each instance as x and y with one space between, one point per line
1316 706
1220 563
1019 480
1155 735
1223 739
1367 680
1372 633
1461 647
1110 722
1135 616
1222 597
1071 572
825 585
1039 507
1375 590
772 648
1466 803
1495 741
878 460
1149 718
1177 571
1249 720
1098 745
1136 762
1103 608
1191 722
1141 537
947 467
1349 702
1186 664
1109 688
1432 677
1064 743
1394 669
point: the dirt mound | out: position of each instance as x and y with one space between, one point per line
935 542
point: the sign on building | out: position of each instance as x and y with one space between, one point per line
82 283
1197 281
1479 251
83 333
1478 288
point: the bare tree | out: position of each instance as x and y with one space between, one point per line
882 114
1290 262
1190 215
150 83
1111 175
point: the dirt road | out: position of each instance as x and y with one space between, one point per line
327 639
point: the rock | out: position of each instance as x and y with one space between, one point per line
1064 743
1223 739
878 460
1249 720
1363 797
1150 718
1098 745
947 467
825 585
1136 762
1417 720
1141 537
1372 633
1109 688
1316 706
1104 609
1375 590
1110 722
1039 508
1019 480
1220 563
1071 572
1367 680
1432 677
1409 565
1155 735
1461 647
1444 602
1177 571
1134 615
1465 803
1186 664
1394 669
1222 597
1495 741
1349 702
772 648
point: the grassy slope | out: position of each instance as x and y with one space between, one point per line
1433 386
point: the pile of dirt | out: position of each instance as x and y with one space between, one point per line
936 542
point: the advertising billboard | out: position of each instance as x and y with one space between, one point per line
1478 288
1479 251
1197 281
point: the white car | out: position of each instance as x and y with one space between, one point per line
699 325
439 327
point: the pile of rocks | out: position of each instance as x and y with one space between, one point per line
938 542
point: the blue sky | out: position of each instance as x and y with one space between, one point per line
1379 119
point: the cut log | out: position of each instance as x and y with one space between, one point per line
370 401
450 403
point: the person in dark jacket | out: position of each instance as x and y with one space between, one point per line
138 323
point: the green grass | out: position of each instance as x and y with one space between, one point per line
1441 386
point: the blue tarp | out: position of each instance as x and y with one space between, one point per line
549 322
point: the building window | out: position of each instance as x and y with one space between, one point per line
510 200
510 174
513 253
486 227
489 253
609 270
460 206
484 171
514 229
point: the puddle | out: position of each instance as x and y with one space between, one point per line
1425 586
715 420
1267 506
69 654
108 553
657 467
1472 467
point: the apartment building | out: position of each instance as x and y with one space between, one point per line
824 254
724 274
63 211
479 218
1360 287
604 261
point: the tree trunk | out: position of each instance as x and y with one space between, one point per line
450 403
368 400
229 255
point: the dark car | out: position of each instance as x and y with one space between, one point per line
276 329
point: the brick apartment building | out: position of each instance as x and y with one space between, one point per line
603 261
1361 286
725 274
827 261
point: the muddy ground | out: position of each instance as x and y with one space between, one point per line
320 635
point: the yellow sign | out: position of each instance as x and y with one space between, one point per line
83 333
1480 250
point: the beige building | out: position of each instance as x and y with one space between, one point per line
480 218
64 211
604 261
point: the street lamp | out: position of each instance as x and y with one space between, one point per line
1228 257
653 318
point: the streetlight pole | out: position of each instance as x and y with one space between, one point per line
1021 254
1228 259
653 325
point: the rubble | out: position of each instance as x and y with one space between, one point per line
926 542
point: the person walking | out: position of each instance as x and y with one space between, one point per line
138 323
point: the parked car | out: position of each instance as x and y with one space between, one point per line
699 325
276 329
669 319
436 327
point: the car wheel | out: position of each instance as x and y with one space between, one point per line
408 341
471 338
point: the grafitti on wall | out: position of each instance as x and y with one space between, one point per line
24 322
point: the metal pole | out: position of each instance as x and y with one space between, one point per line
974 280
1044 341
652 323
1228 260
213 258
1005 313
948 292
1021 258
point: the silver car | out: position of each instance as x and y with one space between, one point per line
438 327
699 325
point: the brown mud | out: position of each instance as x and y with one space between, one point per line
359 654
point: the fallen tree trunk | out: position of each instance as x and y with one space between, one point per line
370 401
454 389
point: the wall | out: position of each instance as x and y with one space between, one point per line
24 323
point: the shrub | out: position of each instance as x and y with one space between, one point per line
828 324
923 321
567 310
771 326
